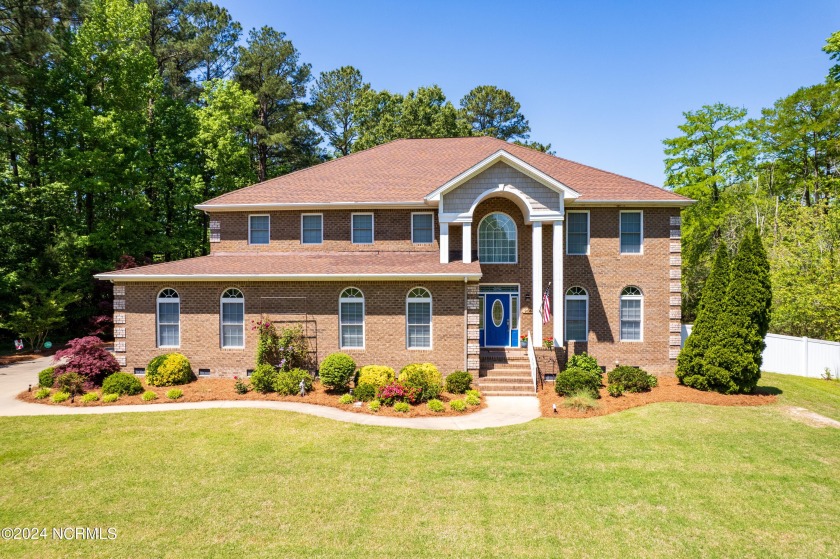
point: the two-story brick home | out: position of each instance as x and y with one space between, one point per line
421 250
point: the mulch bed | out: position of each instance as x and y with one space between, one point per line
214 389
669 390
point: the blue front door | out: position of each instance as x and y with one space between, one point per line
497 320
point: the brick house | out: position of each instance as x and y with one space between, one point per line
421 250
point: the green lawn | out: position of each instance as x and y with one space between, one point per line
669 480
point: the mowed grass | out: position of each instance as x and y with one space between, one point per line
667 480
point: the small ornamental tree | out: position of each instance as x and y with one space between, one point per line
88 357
690 361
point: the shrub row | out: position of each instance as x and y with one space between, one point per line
583 376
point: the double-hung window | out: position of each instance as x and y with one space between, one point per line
311 229
422 228
418 317
577 314
259 229
631 232
577 232
168 318
362 229
233 319
631 314
351 319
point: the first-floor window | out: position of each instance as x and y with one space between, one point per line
168 318
631 314
577 303
418 318
233 318
351 318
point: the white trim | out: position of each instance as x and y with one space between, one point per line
158 301
301 228
568 298
634 203
250 243
478 240
641 232
266 206
511 160
507 191
466 242
588 233
641 313
429 300
372 228
537 280
444 243
364 317
448 276
222 300
558 321
412 228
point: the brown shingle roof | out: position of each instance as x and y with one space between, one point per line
408 170
302 265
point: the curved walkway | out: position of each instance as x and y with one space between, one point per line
500 411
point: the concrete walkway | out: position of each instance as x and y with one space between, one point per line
500 411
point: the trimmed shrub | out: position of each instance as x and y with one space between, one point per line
71 382
90 397
108 398
435 405
42 393
584 361
263 377
472 400
653 381
632 379
576 379
396 392
458 405
122 384
174 369
374 406
287 383
88 357
148 396
615 390
581 400
376 375
59 397
458 382
345 399
174 394
239 386
46 378
154 364
423 377
364 392
337 371
475 393
402 407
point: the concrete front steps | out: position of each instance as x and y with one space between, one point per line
505 372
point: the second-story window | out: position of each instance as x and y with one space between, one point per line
422 228
258 229
631 232
311 229
362 229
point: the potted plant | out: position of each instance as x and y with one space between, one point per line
548 342
523 341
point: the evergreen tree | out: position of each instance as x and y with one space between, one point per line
493 111
690 363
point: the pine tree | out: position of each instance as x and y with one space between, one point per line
690 363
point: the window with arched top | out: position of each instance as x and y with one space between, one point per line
496 239
351 318
577 314
631 314
168 318
233 318
418 319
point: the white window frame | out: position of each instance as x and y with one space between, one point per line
588 233
301 228
342 299
566 313
249 229
412 228
641 231
157 316
431 316
641 298
222 324
516 242
353 229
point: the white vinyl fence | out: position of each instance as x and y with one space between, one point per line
804 357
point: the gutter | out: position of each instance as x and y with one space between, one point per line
287 277
310 206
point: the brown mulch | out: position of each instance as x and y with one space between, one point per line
214 389
669 390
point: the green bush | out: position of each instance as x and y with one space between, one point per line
172 370
580 400
42 393
72 383
472 400
423 377
46 378
632 379
152 367
376 375
59 397
615 389
584 361
148 396
240 387
345 399
108 398
174 394
458 382
122 384
287 383
374 406
263 377
337 371
653 381
435 405
575 379
458 405
364 392
90 397
402 407
475 393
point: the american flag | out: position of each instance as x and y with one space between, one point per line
546 307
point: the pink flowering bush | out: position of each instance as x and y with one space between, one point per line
396 392
88 357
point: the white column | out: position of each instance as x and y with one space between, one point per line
557 253
466 242
537 288
444 243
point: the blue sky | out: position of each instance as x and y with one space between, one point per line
603 82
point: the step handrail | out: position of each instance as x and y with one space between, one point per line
532 360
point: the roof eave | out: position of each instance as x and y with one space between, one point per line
312 206
637 203
447 276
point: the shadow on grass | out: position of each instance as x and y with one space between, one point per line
767 390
